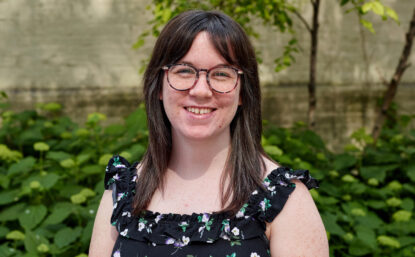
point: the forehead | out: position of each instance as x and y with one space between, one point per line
203 53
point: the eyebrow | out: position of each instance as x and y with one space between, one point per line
192 64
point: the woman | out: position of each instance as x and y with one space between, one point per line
205 187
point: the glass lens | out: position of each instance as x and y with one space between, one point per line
223 79
182 77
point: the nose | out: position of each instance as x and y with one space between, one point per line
201 87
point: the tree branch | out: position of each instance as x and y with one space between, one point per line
307 26
393 84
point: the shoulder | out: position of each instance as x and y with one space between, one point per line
119 172
298 229
270 165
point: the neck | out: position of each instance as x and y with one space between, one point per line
192 159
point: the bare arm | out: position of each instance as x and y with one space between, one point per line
298 229
104 234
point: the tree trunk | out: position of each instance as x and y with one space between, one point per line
312 101
393 84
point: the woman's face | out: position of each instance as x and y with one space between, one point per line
200 113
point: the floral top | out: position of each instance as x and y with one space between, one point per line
198 234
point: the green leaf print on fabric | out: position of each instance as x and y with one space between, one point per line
207 223
183 225
242 211
265 204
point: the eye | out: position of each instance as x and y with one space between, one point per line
183 71
223 73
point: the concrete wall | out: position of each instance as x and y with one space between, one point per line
79 53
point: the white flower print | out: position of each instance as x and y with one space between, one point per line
119 196
255 192
239 214
134 178
254 255
170 241
158 218
141 226
185 240
205 217
116 176
126 213
235 231
115 206
124 233
117 254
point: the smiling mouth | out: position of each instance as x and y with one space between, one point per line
199 111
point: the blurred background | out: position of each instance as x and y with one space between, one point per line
338 100
80 54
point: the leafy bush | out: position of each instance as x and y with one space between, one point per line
366 195
52 170
51 175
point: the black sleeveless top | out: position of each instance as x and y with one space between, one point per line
199 234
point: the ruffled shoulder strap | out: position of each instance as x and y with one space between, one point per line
120 177
267 202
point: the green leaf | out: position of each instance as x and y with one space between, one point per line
344 161
41 147
370 220
12 213
104 159
58 156
368 25
330 224
9 196
366 235
60 212
66 236
87 233
68 163
402 216
32 216
392 14
388 241
49 180
410 172
377 172
378 8
81 158
3 231
358 248
273 151
15 235
92 169
23 166
367 7
87 192
30 242
408 204
4 181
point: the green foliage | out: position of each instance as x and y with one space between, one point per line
51 177
366 192
51 184
376 7
274 13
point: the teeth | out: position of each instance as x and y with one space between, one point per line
199 110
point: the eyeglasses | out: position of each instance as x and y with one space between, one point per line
221 79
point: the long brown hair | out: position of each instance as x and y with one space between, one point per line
245 166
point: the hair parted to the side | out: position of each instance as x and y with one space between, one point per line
245 166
